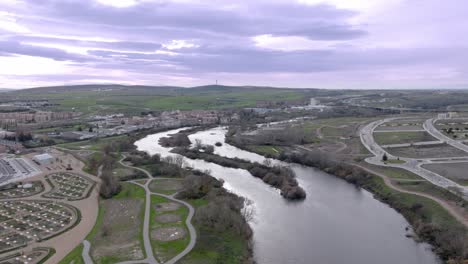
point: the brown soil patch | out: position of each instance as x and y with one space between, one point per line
166 207
168 233
168 218
118 235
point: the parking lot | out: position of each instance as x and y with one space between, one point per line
14 169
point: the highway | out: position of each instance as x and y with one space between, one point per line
412 165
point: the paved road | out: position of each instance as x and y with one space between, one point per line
412 165
146 223
429 127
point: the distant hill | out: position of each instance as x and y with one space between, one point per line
142 88
2 90
112 98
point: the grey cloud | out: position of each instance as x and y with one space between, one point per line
235 59
13 47
315 22
125 45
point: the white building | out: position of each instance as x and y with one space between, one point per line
44 159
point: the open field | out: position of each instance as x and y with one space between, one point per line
394 173
455 171
124 173
166 186
95 144
399 128
169 235
402 137
432 151
118 236
134 99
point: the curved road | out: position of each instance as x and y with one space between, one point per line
410 164
429 127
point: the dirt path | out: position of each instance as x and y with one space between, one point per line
459 214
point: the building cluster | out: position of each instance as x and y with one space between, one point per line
118 124
448 115
169 119
12 119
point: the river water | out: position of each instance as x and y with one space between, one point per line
337 222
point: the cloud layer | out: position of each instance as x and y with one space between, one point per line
389 44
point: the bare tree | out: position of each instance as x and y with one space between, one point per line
198 144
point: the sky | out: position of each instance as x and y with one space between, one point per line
339 44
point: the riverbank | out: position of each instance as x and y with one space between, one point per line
323 227
276 176
430 221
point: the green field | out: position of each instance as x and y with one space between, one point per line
74 256
128 99
93 144
387 138
165 250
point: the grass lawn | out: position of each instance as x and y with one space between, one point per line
427 187
430 212
388 138
74 257
165 250
394 173
92 144
166 186
135 100
130 190
268 151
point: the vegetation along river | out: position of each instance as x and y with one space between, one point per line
336 223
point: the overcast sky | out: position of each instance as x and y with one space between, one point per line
287 43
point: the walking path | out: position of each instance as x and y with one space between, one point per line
85 254
459 214
146 223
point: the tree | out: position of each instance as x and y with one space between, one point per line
198 144
90 130
80 128
384 157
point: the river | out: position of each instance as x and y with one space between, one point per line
337 222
